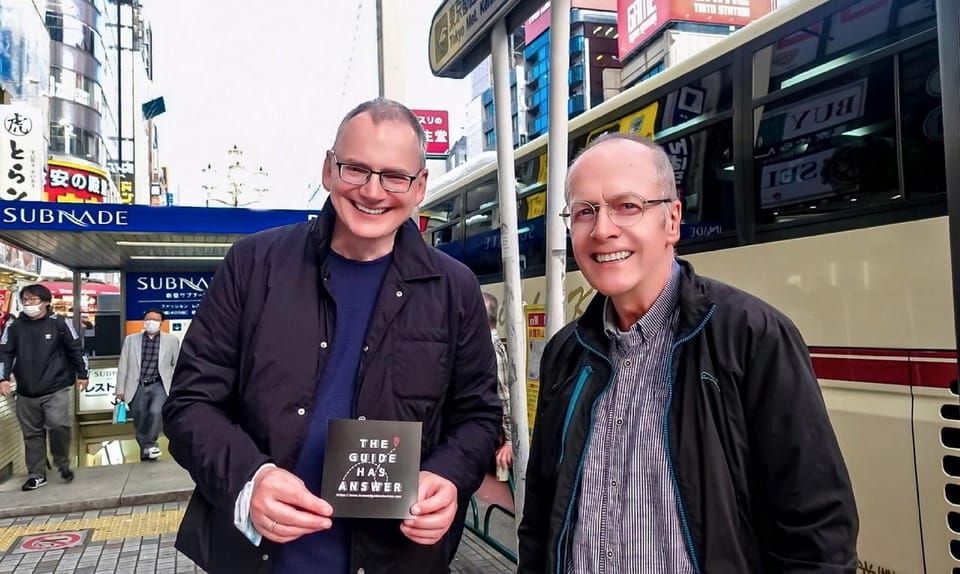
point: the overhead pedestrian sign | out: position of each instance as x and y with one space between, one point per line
460 28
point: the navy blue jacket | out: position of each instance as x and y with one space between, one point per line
760 480
245 383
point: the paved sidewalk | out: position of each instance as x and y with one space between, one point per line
139 539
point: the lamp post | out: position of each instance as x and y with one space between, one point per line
235 183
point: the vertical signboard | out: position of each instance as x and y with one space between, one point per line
436 126
21 153
101 387
536 322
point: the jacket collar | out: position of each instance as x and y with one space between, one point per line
411 256
693 300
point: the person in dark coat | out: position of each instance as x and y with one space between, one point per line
680 427
349 315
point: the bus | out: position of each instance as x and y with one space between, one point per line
808 152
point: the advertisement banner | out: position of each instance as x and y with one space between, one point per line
99 394
639 20
436 126
536 321
74 183
21 153
177 294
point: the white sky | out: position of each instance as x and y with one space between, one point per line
275 78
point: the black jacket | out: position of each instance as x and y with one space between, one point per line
45 355
761 483
243 389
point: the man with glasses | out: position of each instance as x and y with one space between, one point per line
350 315
680 426
44 353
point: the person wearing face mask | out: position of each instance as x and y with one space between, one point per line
146 368
44 353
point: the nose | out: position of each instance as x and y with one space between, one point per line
372 189
603 225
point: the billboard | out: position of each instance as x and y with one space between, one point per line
436 126
639 20
21 153
74 183
176 293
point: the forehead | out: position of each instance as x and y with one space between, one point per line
383 143
612 168
152 314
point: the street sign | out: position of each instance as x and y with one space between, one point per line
460 28
436 127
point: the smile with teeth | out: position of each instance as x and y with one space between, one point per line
611 257
369 210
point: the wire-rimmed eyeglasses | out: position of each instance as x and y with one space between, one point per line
393 182
624 210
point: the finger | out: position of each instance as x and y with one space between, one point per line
294 493
440 500
292 517
426 537
286 531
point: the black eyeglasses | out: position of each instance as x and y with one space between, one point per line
624 211
392 182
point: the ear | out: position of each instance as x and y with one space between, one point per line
421 185
328 167
674 216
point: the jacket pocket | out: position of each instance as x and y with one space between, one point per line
419 369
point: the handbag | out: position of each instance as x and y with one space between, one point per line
119 413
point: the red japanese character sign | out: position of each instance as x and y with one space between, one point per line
73 183
436 126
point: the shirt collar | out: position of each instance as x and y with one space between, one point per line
652 322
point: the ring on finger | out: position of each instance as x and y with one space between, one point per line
273 526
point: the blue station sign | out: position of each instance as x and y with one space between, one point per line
177 294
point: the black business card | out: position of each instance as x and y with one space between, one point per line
371 468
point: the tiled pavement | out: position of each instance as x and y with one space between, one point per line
139 540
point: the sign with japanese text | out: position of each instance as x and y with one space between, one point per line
639 20
460 28
21 153
101 387
14 258
177 294
436 126
73 183
536 321
127 195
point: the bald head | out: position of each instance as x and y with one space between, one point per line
631 152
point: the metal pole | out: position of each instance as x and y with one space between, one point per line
948 24
557 162
510 249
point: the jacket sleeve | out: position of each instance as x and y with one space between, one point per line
123 369
802 495
8 350
533 531
198 418
472 413
73 346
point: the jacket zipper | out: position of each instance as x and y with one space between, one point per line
666 440
574 399
586 445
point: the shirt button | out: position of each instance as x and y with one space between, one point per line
301 411
360 571
399 293
613 482
265 557
619 421
627 363
366 348
609 554
323 345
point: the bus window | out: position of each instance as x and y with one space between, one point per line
922 122
841 37
703 171
710 95
531 230
482 196
828 148
444 212
448 239
482 243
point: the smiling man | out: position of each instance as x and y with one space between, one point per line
692 433
351 315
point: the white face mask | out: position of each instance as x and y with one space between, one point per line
33 310
152 327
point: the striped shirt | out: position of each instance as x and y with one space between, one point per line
627 521
150 359
503 382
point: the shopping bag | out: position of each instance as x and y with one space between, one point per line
120 413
